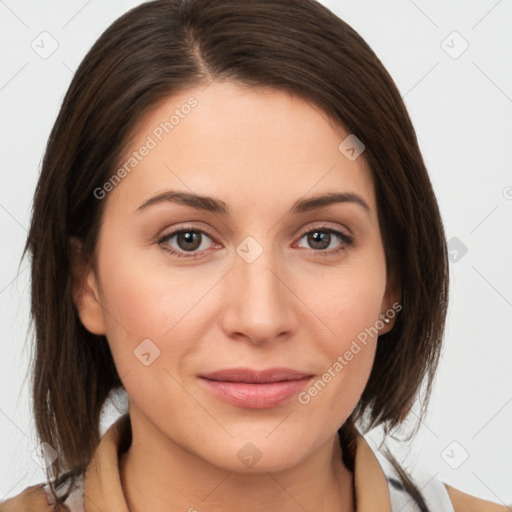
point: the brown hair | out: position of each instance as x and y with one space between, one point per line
164 47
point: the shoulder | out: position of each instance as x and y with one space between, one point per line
31 499
463 502
68 496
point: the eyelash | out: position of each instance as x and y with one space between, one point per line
346 241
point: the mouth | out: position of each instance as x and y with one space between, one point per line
255 389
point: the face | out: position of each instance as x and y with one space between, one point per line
252 316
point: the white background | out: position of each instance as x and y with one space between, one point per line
462 111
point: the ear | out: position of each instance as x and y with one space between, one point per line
85 290
391 305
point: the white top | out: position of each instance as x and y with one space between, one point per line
434 492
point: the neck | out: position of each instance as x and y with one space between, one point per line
159 475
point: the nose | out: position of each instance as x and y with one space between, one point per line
260 303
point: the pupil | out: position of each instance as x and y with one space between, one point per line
317 236
189 242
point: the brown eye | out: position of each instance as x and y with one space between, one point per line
188 240
180 242
321 239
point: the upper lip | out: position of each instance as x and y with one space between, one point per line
250 375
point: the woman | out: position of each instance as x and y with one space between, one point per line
235 225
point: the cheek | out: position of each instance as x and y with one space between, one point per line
348 352
348 299
349 303
142 300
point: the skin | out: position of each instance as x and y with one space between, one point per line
258 151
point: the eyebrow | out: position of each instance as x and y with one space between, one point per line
212 205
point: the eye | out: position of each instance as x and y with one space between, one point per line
191 241
321 240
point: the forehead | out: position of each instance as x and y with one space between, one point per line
241 144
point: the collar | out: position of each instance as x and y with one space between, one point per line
103 490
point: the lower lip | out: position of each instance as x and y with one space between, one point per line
255 396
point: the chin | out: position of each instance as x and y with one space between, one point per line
260 453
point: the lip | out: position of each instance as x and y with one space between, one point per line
255 389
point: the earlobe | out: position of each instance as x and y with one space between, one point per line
85 290
390 307
386 321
